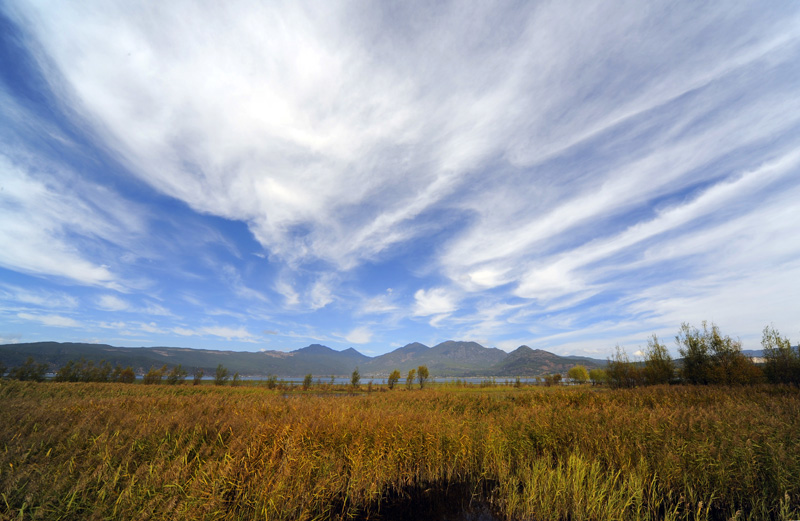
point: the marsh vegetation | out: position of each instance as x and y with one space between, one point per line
112 450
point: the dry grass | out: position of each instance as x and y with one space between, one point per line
98 451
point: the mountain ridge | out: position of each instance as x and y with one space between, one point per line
450 358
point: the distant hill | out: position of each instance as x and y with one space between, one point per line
524 361
451 358
314 359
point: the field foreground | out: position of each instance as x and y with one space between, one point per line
101 451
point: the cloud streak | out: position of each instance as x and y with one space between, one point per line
513 172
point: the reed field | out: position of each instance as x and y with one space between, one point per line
117 451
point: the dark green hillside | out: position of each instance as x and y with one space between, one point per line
525 361
318 360
449 358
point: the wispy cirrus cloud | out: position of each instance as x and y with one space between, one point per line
516 172
50 320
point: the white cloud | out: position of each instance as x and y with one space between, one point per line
295 132
434 301
359 335
284 287
38 298
50 320
379 304
112 303
228 333
321 294
626 153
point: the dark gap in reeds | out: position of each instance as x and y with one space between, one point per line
434 502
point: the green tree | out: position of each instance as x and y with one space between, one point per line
410 378
3 369
67 373
236 380
578 374
552 379
198 377
394 377
221 375
711 358
422 375
154 375
307 381
177 375
127 376
693 347
781 360
621 371
598 376
29 371
658 365
355 378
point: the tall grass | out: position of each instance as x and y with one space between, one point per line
98 451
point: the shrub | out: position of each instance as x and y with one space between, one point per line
198 377
710 358
552 379
658 365
221 375
422 375
781 360
307 381
578 374
410 378
127 376
621 371
355 378
394 377
598 376
154 375
177 375
30 371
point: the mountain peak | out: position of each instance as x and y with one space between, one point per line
314 349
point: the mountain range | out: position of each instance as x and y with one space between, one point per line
447 359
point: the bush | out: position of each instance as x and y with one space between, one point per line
578 374
552 379
598 376
307 381
394 377
126 376
29 371
154 375
781 360
622 373
710 358
198 377
410 378
355 378
221 375
422 375
177 375
658 365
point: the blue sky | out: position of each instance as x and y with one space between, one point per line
266 175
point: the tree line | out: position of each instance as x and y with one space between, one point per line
708 358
